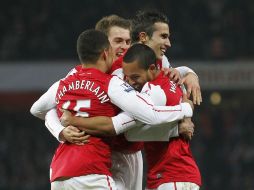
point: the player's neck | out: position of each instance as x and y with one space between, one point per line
157 73
99 65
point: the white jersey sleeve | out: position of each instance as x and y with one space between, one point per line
136 131
165 62
141 107
123 122
118 72
43 108
185 70
53 123
45 103
162 132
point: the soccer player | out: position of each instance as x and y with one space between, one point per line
90 92
152 28
127 162
118 31
171 165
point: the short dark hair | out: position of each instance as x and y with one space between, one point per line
90 44
144 21
107 22
141 53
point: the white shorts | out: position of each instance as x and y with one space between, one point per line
127 170
177 186
91 182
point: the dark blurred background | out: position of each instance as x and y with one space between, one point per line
215 38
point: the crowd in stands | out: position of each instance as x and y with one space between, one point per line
46 29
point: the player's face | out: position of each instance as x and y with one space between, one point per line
120 40
135 75
159 41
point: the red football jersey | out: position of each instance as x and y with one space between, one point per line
170 161
84 93
117 64
120 143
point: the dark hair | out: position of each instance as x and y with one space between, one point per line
144 22
91 43
107 22
141 53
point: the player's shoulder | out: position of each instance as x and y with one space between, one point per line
118 83
74 70
165 62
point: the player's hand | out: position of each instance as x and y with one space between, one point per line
185 99
74 135
66 118
191 83
173 74
186 128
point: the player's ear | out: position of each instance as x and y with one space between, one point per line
152 67
143 37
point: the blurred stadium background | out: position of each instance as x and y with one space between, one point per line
215 38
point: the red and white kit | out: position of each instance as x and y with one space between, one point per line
125 164
172 161
90 92
84 93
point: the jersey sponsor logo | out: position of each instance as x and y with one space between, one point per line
127 87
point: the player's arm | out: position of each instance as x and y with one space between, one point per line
162 132
141 107
186 76
69 133
175 74
41 109
123 122
103 125
98 126
191 81
45 103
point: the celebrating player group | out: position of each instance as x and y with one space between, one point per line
124 103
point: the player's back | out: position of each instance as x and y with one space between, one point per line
85 94
169 161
